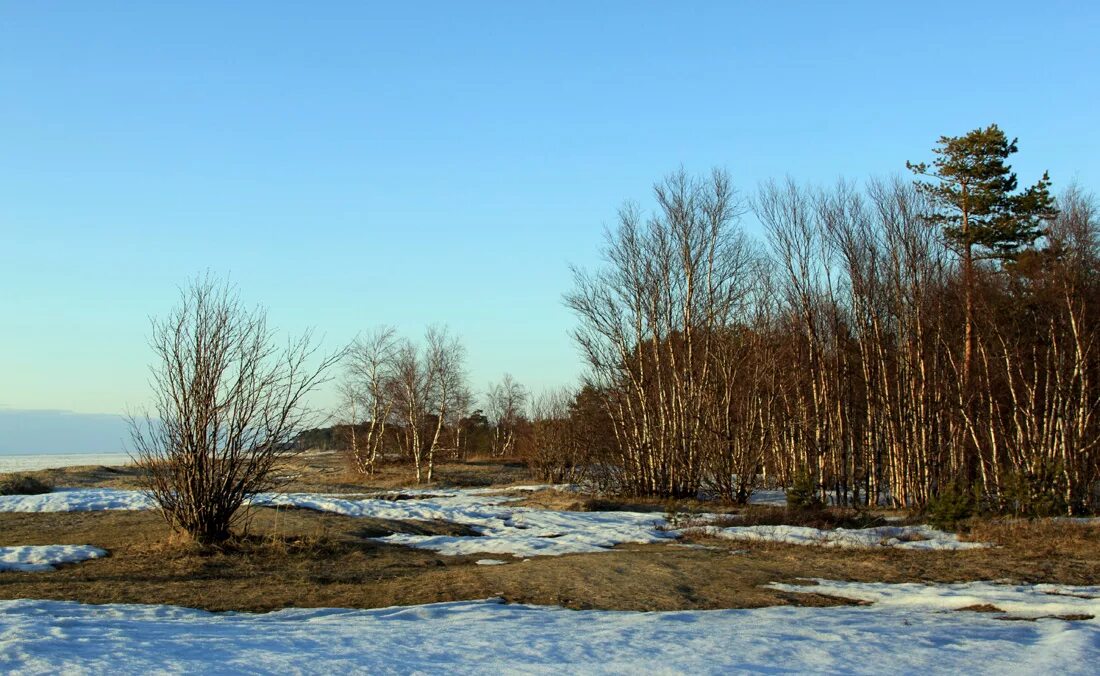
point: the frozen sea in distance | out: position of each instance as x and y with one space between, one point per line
28 462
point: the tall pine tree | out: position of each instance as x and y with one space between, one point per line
980 211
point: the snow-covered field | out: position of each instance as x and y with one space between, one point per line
892 636
31 462
33 558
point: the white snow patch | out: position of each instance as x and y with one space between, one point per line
1018 601
37 558
47 637
490 562
898 537
503 530
100 499
537 532
77 500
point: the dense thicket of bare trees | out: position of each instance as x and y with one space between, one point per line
838 348
890 343
228 400
653 328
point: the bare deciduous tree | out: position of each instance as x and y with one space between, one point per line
444 360
505 405
228 401
366 391
652 322
428 389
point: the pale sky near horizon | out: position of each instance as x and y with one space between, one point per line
354 164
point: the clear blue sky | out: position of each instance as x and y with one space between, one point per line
352 164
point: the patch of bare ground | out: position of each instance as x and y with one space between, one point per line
86 476
832 517
299 558
328 472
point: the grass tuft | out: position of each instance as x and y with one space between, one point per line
21 484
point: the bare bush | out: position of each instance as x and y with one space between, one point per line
554 451
21 484
228 401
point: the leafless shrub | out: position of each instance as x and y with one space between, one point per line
228 401
554 451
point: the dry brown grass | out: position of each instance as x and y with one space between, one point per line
21 484
314 471
299 558
828 518
328 471
579 502
86 476
293 557
309 559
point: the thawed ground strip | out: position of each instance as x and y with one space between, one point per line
34 558
488 637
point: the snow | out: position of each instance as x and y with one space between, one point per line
899 537
1015 601
35 558
77 500
536 532
46 637
503 530
489 562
